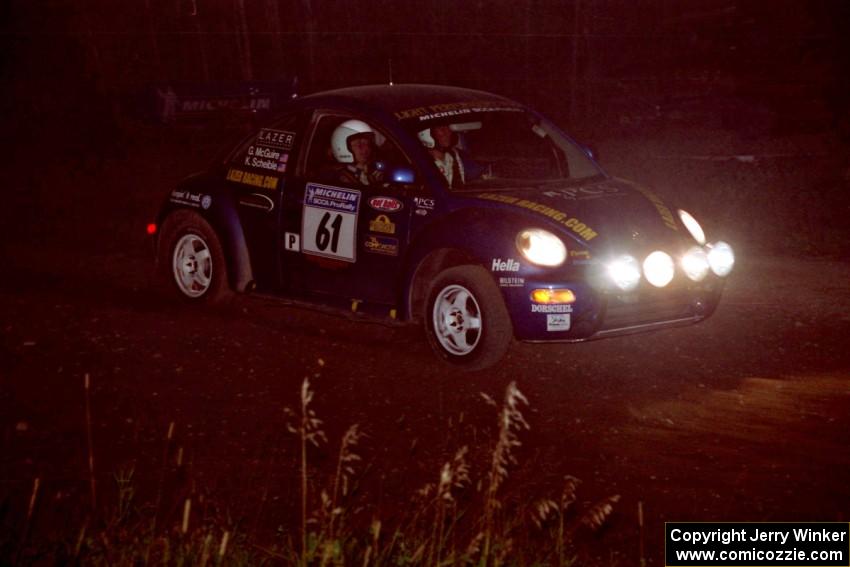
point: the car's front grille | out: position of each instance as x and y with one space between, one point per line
650 306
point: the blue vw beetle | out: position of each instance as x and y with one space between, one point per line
457 208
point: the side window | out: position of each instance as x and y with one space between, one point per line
349 151
265 156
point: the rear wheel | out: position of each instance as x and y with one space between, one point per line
192 260
466 320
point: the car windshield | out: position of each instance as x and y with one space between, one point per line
500 148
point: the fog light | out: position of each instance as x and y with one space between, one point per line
658 268
695 264
721 258
624 272
553 296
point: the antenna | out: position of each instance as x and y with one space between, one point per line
390 64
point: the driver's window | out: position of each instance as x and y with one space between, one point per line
349 151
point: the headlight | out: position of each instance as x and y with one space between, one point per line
721 258
658 268
693 226
624 272
541 247
695 264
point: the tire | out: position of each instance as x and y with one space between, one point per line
466 321
191 260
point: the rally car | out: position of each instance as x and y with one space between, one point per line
520 235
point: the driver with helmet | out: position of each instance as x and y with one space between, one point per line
353 144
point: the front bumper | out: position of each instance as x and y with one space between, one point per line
598 313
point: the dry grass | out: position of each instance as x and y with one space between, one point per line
461 518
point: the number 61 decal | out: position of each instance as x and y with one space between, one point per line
329 221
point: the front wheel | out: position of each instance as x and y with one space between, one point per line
466 320
191 258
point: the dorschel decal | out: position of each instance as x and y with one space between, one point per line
382 224
509 265
558 322
279 139
386 204
551 308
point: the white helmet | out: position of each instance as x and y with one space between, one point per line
340 137
428 140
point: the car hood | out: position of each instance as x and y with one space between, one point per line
603 213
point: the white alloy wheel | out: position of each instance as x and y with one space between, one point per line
457 320
192 265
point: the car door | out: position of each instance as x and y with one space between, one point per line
343 241
256 174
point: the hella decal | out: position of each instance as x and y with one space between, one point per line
386 204
509 265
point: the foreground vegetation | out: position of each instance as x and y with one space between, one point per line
461 518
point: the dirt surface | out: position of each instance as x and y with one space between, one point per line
743 417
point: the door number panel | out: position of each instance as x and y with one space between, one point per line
329 222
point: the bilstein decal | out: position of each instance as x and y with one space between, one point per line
579 228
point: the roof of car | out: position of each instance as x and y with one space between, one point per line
397 98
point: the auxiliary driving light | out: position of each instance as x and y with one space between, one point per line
553 296
695 264
658 268
624 272
721 258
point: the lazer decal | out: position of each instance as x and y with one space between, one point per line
578 227
559 322
551 308
509 265
386 204
381 245
253 179
382 224
511 282
279 139
191 199
292 241
329 221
